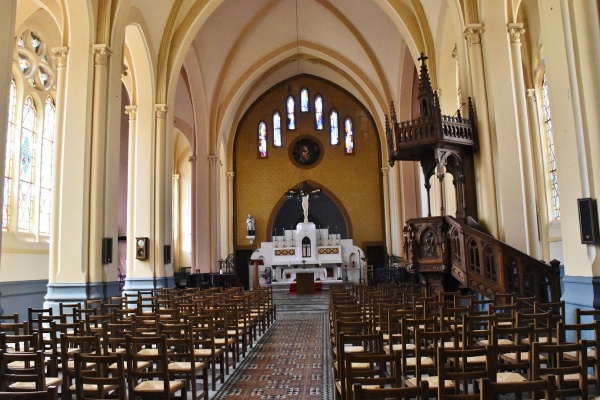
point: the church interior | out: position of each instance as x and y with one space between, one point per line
155 144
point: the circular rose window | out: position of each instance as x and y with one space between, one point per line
306 152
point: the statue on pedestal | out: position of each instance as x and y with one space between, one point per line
250 225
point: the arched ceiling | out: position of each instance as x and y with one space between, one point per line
243 47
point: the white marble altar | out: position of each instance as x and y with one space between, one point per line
308 249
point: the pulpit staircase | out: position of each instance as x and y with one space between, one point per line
450 254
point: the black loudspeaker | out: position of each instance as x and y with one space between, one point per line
107 250
142 248
588 220
167 253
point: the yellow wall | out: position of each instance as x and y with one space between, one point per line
355 180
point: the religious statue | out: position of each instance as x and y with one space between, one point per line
305 206
250 225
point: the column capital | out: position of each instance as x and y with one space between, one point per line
124 70
101 54
160 110
192 159
131 111
230 175
60 54
212 160
515 30
385 171
530 93
176 177
472 34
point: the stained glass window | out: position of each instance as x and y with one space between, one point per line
26 167
8 155
349 137
291 113
319 113
304 107
334 133
550 146
262 140
46 165
276 129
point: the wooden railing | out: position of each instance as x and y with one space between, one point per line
446 246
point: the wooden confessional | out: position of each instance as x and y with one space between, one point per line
449 253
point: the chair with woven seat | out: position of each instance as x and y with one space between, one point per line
571 377
183 364
69 346
29 373
50 394
569 333
454 366
222 337
511 353
425 362
205 347
152 382
370 393
409 344
374 370
96 378
492 390
353 343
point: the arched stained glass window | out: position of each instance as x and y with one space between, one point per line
304 107
46 165
277 129
8 155
319 112
291 113
334 132
349 136
262 140
27 167
550 146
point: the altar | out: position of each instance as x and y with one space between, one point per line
318 273
307 249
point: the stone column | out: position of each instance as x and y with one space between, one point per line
98 162
60 54
515 31
230 178
176 218
386 206
486 190
159 192
194 225
131 111
213 178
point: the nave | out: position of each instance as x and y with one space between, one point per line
270 343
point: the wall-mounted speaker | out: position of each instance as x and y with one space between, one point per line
107 245
142 248
167 254
588 220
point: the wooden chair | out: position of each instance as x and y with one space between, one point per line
70 345
356 342
155 381
205 347
183 364
454 365
426 361
96 378
420 393
222 338
29 375
374 370
14 318
492 390
569 333
409 343
50 394
511 353
563 367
